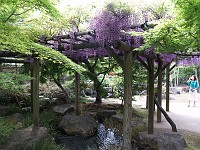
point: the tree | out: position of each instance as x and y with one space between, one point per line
189 15
96 68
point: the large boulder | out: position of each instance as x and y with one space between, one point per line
103 114
163 141
4 110
15 118
84 125
64 109
26 138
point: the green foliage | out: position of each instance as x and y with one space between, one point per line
5 129
119 6
15 35
16 10
47 119
12 86
165 37
189 12
50 145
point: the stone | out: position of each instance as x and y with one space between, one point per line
84 125
163 141
64 109
117 118
15 118
4 110
61 99
24 139
103 114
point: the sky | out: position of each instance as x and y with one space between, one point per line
100 3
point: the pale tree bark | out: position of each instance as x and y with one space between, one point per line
127 116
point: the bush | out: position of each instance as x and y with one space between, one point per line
6 129
47 145
12 87
47 119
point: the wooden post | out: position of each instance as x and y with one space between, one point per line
127 115
167 86
35 91
159 94
151 95
77 103
1 68
147 98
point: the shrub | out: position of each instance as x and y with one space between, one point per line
47 145
6 129
12 86
47 119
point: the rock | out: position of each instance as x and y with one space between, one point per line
61 99
4 110
26 138
117 118
163 141
84 125
17 117
103 114
64 109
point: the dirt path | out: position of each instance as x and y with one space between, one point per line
186 118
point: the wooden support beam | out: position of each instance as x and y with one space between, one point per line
5 60
151 95
159 94
167 86
173 125
127 113
35 91
77 103
159 86
1 69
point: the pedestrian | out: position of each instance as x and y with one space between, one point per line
194 85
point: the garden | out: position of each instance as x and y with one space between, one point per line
62 61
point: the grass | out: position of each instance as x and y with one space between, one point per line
6 129
47 119
193 141
47 145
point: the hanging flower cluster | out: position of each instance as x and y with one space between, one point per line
109 26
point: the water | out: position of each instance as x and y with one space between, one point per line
106 139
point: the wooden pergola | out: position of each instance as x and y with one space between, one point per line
12 57
77 46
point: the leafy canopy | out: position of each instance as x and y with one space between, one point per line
16 34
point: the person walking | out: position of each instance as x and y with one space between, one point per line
194 85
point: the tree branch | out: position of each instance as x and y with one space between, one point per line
116 57
10 16
142 62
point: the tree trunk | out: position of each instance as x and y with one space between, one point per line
151 95
67 98
97 88
35 91
167 87
127 115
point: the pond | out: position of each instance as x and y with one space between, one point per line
105 139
